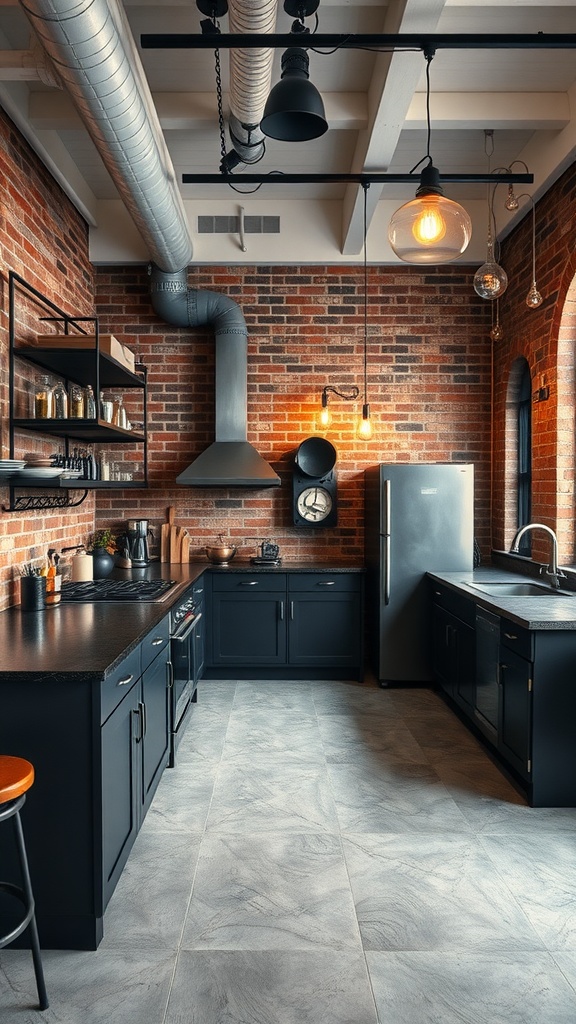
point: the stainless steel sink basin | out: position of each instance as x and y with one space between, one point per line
519 590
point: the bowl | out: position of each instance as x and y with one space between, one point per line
220 554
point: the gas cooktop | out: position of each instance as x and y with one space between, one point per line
117 590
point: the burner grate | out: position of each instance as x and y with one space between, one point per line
116 590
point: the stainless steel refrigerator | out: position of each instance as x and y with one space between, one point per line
418 518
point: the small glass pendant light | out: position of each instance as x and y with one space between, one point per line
496 332
534 298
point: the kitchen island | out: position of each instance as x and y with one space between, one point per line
84 695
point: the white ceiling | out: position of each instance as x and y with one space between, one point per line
375 107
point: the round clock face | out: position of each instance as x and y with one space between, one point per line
314 504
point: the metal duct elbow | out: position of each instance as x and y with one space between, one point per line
231 461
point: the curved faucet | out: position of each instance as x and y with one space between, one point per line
552 571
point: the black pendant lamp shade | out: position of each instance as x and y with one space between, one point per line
294 110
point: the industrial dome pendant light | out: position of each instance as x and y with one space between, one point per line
430 228
294 110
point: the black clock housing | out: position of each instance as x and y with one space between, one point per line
314 484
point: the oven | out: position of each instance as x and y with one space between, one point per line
185 630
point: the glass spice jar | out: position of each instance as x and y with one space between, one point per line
60 401
76 402
43 398
89 403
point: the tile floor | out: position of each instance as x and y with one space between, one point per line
327 853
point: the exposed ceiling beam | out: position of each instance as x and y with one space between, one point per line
471 110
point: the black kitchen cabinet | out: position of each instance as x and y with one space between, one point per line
135 751
248 620
283 624
324 621
454 648
524 705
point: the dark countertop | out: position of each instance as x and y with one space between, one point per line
85 641
552 611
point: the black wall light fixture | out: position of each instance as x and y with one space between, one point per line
347 392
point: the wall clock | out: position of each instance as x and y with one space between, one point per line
314 485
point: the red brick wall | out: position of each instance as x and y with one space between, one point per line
44 240
545 338
428 387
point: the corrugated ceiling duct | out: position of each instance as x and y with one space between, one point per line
94 55
90 45
250 76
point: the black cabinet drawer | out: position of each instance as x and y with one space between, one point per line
247 582
115 686
324 582
463 607
516 638
153 643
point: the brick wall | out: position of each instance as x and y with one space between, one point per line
545 338
44 240
428 387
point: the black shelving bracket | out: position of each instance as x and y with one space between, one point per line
41 502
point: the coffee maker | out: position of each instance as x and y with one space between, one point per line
137 534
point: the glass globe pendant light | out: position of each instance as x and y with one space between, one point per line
490 280
496 332
430 228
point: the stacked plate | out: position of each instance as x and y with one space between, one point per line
41 466
10 466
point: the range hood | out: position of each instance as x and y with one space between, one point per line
231 461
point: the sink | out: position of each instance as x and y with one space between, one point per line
519 590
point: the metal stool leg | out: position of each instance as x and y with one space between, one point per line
34 941
26 897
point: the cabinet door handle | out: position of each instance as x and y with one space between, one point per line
249 583
326 583
169 675
510 636
136 713
142 707
157 642
281 603
125 680
292 610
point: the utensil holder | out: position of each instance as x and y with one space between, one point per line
32 593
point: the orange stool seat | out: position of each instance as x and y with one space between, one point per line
16 777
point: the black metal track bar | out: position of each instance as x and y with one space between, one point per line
359 41
360 179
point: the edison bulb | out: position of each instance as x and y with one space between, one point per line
430 226
497 333
490 281
324 417
365 429
534 298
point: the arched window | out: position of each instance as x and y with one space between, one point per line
524 456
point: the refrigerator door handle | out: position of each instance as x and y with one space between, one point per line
385 568
386 498
386 502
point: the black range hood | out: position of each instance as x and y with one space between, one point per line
231 461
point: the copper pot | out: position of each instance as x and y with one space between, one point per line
221 553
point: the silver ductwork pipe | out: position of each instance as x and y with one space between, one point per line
94 56
250 77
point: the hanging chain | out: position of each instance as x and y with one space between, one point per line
219 98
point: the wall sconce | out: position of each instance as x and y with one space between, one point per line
348 393
430 228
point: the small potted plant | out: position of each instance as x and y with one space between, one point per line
102 548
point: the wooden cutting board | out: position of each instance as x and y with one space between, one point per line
165 549
185 547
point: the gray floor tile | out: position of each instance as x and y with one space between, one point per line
465 988
271 892
397 797
271 988
540 871
148 906
432 892
102 987
272 798
353 737
182 800
274 695
272 733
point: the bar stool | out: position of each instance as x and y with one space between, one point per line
16 777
